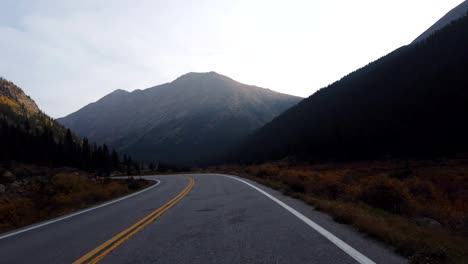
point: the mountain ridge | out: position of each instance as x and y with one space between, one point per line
192 110
454 14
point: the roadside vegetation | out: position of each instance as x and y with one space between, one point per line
418 207
30 194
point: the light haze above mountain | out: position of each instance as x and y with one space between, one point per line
190 120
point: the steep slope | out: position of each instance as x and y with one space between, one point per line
187 121
13 96
413 102
452 15
27 135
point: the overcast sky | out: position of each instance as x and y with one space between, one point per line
66 54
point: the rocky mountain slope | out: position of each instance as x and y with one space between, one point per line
12 95
188 121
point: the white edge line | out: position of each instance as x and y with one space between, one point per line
359 257
13 233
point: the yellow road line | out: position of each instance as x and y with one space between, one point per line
119 239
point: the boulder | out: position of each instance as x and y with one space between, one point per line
8 176
427 221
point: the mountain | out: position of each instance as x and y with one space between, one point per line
451 16
15 97
188 121
412 102
27 135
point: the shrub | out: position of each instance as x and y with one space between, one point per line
265 170
424 190
387 194
400 174
295 183
114 189
325 187
15 213
68 183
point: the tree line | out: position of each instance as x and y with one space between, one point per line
39 140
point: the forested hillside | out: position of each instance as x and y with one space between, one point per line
27 135
411 103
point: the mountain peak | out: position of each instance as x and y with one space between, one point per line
119 91
202 75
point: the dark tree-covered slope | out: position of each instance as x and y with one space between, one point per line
412 102
28 135
188 121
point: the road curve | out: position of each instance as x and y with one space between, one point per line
219 220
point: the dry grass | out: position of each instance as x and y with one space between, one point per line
418 207
61 194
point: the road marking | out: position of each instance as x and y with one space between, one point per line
101 251
359 257
77 213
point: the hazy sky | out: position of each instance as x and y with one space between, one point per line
66 54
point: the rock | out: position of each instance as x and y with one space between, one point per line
8 176
16 184
2 189
428 221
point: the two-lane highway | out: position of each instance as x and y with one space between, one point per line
210 219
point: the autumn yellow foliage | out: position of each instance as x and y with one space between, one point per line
7 101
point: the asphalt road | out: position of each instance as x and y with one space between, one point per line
220 220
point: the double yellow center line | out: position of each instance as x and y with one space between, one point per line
101 251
